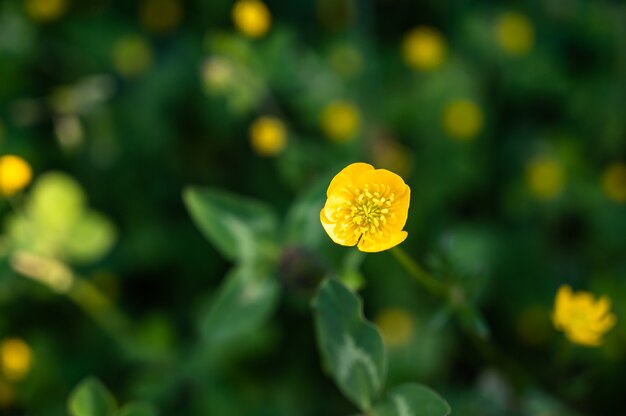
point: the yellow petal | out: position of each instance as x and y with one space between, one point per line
348 174
377 245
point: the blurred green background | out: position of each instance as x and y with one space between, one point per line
506 119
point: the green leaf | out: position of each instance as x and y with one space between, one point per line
412 400
302 224
137 409
240 228
244 302
91 398
351 347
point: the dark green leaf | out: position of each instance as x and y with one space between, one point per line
412 400
351 347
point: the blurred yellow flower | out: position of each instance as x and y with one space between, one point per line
268 136
462 119
45 10
366 207
545 177
515 33
132 55
15 357
15 174
584 319
160 16
340 121
396 326
251 17
614 182
424 48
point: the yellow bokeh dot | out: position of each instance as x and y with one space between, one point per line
16 358
545 177
160 16
614 182
15 174
268 136
251 17
515 33
396 326
462 119
132 55
424 48
340 121
45 10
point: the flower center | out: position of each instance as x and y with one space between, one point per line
369 212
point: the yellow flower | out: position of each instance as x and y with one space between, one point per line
396 326
268 136
45 10
252 18
15 357
424 48
462 119
614 182
545 177
583 318
15 174
366 207
340 121
515 33
132 55
160 16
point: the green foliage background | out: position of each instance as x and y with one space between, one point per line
133 143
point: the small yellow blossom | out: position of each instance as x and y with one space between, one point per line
268 136
424 48
614 182
515 33
160 16
584 319
367 208
15 174
15 357
545 177
252 18
132 55
462 119
45 10
396 326
340 121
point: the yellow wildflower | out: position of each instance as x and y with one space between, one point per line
545 177
15 357
515 33
367 208
462 119
424 48
340 121
614 182
396 326
268 136
160 16
583 318
15 174
252 18
45 10
132 55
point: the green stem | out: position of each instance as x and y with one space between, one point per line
424 278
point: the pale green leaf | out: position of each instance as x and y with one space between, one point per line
91 398
239 227
351 347
412 400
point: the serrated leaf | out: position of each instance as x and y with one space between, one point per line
91 398
244 302
240 228
351 347
412 400
137 409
